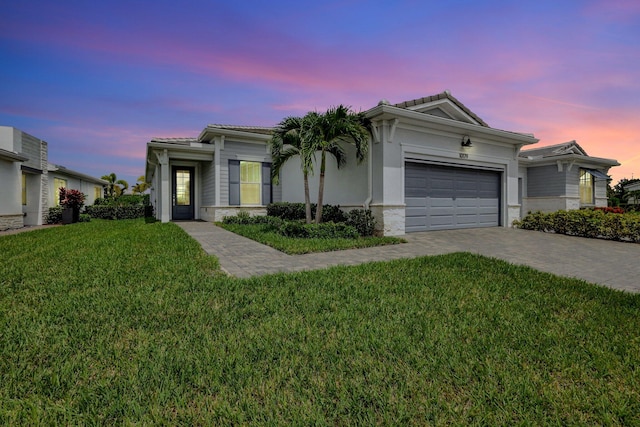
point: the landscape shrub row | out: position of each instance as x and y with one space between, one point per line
585 223
297 228
357 222
324 230
119 212
296 211
124 200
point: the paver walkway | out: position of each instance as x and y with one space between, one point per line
608 263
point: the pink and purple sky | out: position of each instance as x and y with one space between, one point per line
97 80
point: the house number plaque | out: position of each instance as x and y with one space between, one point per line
464 156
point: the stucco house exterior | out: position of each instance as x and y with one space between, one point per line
60 176
30 183
563 177
432 164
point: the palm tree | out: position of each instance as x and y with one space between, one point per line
115 186
121 187
325 134
141 185
286 143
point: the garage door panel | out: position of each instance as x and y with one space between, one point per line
416 202
451 197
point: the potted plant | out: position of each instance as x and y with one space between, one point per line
71 202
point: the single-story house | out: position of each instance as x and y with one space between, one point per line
432 164
30 183
633 188
60 176
563 177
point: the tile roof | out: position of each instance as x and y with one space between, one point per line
251 129
442 95
176 141
570 147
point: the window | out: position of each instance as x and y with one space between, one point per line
183 187
97 192
586 187
24 189
57 183
249 183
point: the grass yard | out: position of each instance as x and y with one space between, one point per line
131 323
295 246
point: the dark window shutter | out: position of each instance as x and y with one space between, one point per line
234 182
266 183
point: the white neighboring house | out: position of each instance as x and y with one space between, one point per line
59 176
28 180
432 164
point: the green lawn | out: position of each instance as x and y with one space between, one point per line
264 234
126 322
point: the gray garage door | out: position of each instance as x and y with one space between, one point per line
444 197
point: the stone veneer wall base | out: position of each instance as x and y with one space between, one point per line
390 219
9 222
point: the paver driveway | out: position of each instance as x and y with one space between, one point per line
608 263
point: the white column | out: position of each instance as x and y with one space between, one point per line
219 146
165 188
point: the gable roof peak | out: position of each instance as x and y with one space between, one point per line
569 147
427 103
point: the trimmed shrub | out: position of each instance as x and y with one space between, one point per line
332 213
55 215
297 211
325 230
362 220
585 223
124 200
116 212
84 218
288 211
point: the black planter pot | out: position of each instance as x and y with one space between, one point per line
70 215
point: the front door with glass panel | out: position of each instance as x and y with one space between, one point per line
182 193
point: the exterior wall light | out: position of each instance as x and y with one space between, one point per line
466 141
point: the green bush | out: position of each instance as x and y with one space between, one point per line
84 218
296 211
325 230
585 223
288 211
363 221
117 212
332 213
123 200
55 215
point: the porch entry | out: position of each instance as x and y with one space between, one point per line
182 193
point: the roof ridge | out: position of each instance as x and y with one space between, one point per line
218 125
438 96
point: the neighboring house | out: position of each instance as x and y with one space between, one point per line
432 164
634 189
23 172
59 176
29 181
563 177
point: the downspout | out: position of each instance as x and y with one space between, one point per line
367 202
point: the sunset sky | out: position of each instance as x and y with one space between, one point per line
98 79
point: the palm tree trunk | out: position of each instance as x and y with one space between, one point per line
307 199
320 188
